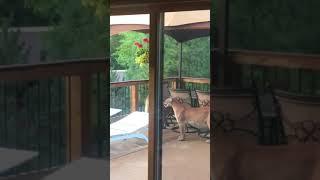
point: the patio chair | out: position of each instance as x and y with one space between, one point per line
132 126
167 113
203 100
300 114
270 126
235 110
184 96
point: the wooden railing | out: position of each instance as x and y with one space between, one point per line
253 62
293 72
276 59
190 83
55 109
196 80
128 95
131 95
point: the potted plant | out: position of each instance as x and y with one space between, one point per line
142 54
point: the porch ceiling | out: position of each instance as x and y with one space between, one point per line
182 26
123 7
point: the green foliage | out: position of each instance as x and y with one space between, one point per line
124 55
20 14
196 56
79 32
137 72
100 7
12 51
52 8
114 44
277 25
171 57
143 57
142 54
49 9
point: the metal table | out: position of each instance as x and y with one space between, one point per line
82 169
10 158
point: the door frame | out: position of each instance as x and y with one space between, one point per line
156 10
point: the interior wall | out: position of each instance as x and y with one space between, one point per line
275 25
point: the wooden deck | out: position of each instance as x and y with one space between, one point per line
187 160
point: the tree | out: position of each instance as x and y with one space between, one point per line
196 56
81 30
124 55
20 15
115 41
52 9
101 7
278 25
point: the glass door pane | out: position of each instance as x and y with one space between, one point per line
129 119
186 112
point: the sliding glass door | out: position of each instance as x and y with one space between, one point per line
160 65
129 118
185 100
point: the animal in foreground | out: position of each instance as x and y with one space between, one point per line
185 114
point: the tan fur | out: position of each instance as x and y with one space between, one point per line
234 160
184 114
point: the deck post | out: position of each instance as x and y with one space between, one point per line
74 117
85 110
134 98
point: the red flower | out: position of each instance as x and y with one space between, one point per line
146 40
138 44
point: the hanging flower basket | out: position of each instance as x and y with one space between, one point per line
142 54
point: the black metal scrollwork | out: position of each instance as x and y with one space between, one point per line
307 131
204 103
228 125
182 100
